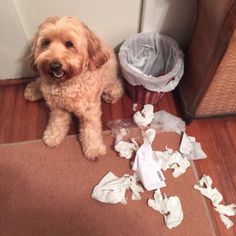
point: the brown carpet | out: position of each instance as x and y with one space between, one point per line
47 191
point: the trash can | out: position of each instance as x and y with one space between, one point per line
151 64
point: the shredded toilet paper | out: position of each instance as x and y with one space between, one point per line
126 149
227 222
166 122
150 134
190 148
204 185
170 207
144 117
171 159
111 189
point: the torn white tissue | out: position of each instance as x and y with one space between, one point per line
150 135
172 160
224 211
170 207
147 169
229 210
204 185
166 122
126 149
227 222
190 148
111 189
144 117
162 158
180 166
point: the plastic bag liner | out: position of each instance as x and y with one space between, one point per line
151 60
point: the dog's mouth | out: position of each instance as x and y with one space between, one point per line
56 71
58 74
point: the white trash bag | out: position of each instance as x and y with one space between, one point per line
152 60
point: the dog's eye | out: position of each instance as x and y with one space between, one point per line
46 43
69 44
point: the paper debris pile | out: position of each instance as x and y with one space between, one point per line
170 207
149 164
204 185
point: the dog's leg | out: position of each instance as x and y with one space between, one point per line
113 92
91 133
57 127
32 91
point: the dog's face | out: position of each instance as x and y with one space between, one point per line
64 47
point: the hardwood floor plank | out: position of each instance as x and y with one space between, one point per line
226 159
231 128
19 116
163 103
210 134
117 111
7 119
106 114
127 106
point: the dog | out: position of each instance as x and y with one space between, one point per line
76 69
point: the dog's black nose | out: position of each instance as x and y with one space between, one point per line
55 66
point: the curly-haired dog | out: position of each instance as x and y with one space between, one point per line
76 69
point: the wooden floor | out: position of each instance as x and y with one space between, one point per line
21 120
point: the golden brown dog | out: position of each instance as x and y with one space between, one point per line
75 70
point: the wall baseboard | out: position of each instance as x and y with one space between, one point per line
15 81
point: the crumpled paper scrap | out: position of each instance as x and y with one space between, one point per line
144 117
166 122
126 149
190 148
227 222
204 185
170 207
224 211
147 169
229 210
150 135
171 159
112 189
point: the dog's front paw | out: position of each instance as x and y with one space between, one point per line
51 139
113 93
32 92
94 153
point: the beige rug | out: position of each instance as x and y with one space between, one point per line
47 191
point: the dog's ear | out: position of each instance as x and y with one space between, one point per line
32 52
48 21
97 55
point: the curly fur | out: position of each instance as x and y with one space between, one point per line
88 72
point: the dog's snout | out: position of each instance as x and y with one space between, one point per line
55 66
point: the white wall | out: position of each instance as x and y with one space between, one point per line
13 43
113 20
171 17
